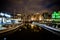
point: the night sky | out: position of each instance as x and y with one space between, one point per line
29 6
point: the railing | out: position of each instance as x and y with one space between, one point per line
49 28
16 26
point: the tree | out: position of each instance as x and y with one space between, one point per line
46 15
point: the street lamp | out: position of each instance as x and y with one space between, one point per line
6 15
2 14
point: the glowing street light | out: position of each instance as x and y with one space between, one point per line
40 17
19 14
2 14
7 15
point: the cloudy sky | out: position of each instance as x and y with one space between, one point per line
29 6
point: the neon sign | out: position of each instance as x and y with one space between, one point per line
56 15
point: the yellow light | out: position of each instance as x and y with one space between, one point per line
37 13
33 18
40 18
32 26
19 14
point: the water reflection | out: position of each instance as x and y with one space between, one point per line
30 28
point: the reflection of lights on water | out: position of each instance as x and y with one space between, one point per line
20 29
32 26
40 28
36 30
5 38
25 27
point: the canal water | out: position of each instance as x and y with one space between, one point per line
29 34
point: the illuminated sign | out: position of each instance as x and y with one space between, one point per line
5 14
56 15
